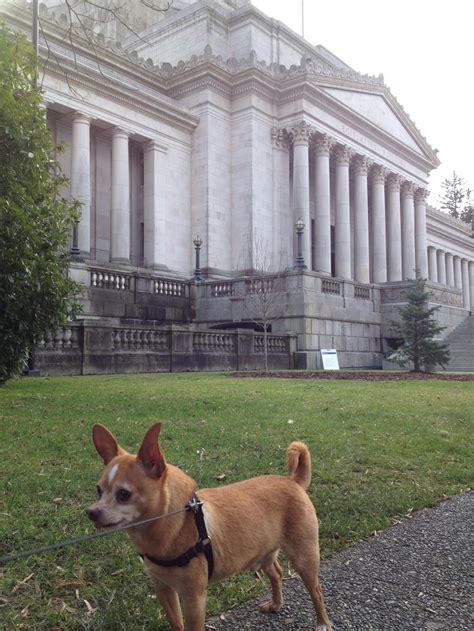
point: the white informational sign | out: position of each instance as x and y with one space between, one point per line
329 359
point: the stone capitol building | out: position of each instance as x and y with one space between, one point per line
222 160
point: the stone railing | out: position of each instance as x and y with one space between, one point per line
361 292
259 285
213 342
222 289
64 338
331 286
275 343
167 287
139 340
97 347
110 280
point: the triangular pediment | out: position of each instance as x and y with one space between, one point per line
378 111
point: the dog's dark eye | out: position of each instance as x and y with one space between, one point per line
123 495
99 491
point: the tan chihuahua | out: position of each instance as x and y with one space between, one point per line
226 530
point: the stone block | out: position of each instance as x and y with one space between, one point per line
325 341
363 344
352 344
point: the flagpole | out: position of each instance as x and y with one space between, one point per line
302 18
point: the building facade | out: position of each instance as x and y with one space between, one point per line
212 119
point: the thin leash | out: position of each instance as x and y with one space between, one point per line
96 535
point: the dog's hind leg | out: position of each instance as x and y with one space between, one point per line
272 569
305 560
169 600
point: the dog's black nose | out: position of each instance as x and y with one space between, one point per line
93 513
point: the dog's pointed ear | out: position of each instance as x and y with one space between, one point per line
150 454
105 443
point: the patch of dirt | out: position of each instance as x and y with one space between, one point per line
357 375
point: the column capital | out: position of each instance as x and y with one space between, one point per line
379 174
408 189
80 117
280 138
118 132
301 133
322 144
361 165
394 182
153 145
421 195
343 155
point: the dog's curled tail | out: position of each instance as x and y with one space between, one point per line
299 463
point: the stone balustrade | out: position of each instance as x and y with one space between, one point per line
362 292
110 280
275 343
167 287
125 339
222 289
64 338
331 286
213 342
97 347
260 285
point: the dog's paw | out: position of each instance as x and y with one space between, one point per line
269 607
323 627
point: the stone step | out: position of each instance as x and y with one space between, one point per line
461 347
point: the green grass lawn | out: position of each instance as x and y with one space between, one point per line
379 450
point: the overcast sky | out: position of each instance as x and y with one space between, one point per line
425 50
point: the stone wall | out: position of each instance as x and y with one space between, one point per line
109 346
323 312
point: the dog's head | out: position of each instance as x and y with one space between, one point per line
128 487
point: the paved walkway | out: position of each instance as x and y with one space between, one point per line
416 575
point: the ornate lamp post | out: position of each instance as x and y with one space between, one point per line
197 271
75 252
299 225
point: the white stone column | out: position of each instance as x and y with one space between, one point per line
394 235
466 290
154 204
441 258
283 229
120 196
301 135
457 273
322 249
421 250
471 285
342 236
432 264
408 231
379 240
361 221
449 270
81 177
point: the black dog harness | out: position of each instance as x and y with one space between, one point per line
203 545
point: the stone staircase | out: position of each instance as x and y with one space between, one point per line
461 347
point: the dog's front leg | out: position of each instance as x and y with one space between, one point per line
169 600
193 601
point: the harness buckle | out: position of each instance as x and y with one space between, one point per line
194 505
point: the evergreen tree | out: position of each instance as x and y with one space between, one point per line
467 213
36 294
417 327
454 194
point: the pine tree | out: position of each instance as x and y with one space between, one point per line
467 213
454 194
417 327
